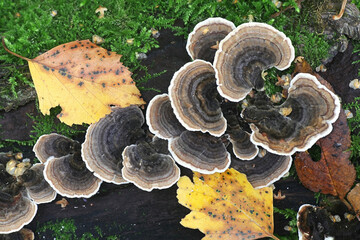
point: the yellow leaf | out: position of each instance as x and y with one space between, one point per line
226 206
84 79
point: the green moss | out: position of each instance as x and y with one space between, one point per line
66 229
290 215
61 230
354 125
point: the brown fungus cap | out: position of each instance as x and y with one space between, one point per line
15 212
203 40
37 187
263 170
193 97
247 51
106 139
200 152
147 168
161 119
54 145
312 110
69 176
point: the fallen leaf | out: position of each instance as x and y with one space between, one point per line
84 79
226 206
63 203
27 234
333 173
279 196
354 198
302 66
102 11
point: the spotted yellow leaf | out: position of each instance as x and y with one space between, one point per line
226 206
84 79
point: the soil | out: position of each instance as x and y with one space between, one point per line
131 213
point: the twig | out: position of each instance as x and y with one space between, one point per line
12 53
342 10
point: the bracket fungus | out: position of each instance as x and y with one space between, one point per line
193 97
37 187
147 168
15 212
306 116
203 41
161 119
245 53
54 145
69 176
201 152
242 147
106 139
262 171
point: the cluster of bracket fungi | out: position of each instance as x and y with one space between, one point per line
193 125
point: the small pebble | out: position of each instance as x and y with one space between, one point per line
276 98
277 3
130 41
321 68
355 84
155 33
140 56
349 216
348 114
288 228
97 39
53 13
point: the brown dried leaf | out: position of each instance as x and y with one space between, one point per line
333 174
354 198
63 203
302 67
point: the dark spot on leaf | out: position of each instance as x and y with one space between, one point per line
117 72
69 76
63 73
46 68
80 83
55 53
75 46
103 85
